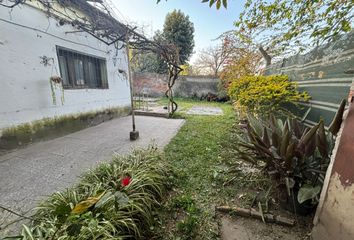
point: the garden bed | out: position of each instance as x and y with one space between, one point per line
116 200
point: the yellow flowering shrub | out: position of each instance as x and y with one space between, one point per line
264 94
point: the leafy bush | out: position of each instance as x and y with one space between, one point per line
264 94
114 201
294 155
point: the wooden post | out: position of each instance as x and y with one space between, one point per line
134 135
270 218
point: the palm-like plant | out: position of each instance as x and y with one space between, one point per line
294 155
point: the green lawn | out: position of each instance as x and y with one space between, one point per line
202 179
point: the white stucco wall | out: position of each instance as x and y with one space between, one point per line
25 93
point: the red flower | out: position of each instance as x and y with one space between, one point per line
125 181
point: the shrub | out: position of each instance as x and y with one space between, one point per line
116 200
265 94
294 155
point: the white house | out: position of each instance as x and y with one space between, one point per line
36 46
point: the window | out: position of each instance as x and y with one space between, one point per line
80 70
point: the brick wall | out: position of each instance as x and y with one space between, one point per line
155 85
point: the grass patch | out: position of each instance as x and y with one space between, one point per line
208 173
198 155
184 104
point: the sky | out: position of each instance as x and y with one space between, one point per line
209 23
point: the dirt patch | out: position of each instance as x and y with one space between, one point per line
240 228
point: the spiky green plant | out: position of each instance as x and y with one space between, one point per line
100 207
295 155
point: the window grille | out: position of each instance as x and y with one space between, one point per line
80 70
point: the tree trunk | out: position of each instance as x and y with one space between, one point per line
265 55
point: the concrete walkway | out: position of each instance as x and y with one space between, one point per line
30 174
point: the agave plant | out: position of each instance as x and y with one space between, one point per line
294 155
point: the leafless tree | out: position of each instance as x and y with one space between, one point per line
211 60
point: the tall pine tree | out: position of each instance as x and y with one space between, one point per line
179 30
